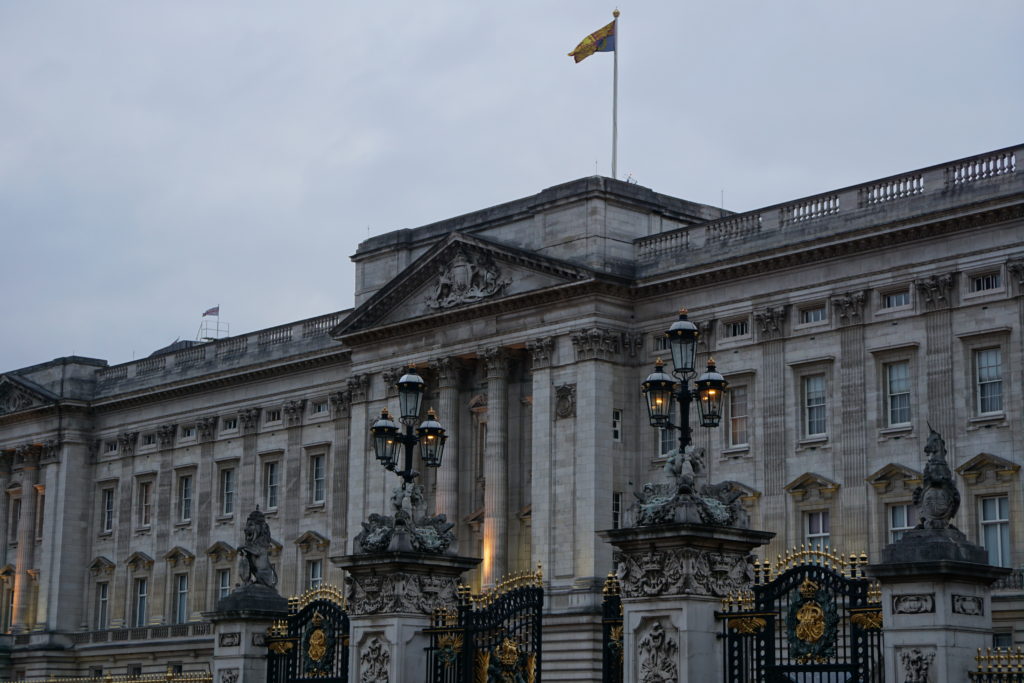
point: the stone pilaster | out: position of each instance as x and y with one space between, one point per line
495 561
358 457
937 296
851 445
338 473
27 460
773 400
672 578
446 501
542 481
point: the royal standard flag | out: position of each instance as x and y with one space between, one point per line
601 40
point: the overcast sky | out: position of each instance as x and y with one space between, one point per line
160 158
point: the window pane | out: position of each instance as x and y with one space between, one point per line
738 416
814 405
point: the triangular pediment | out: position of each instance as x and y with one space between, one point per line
101 566
178 555
457 274
311 540
984 464
139 561
809 484
18 393
220 551
894 476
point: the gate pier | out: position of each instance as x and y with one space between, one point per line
240 626
391 599
672 580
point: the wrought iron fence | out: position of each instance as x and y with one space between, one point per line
611 631
312 643
492 636
169 677
998 665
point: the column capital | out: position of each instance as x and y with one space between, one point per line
294 411
165 433
206 426
448 370
936 291
1015 267
342 401
850 307
496 362
357 387
596 342
540 350
771 322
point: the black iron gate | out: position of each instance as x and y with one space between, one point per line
611 631
495 636
312 643
812 618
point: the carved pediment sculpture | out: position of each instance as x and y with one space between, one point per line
466 279
19 394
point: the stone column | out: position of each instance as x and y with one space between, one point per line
446 500
26 459
936 605
391 597
338 474
936 292
495 562
851 446
673 577
773 401
358 458
542 453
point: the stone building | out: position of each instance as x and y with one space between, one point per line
845 323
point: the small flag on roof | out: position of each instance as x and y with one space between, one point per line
212 311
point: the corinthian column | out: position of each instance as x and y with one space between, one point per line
447 497
496 363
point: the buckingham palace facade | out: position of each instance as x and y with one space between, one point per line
845 323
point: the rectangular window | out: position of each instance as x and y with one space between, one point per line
227 491
270 485
616 510
897 393
667 441
272 415
320 408
983 283
815 411
223 583
738 416
988 371
102 606
14 517
617 425
139 607
144 504
40 513
148 439
736 328
995 529
661 343
229 424
317 478
111 446
180 598
896 299
813 315
314 573
901 518
107 523
817 528
185 498
188 432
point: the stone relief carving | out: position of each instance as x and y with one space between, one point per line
970 605
633 343
259 639
13 399
293 411
935 291
686 497
126 442
770 322
341 401
250 419
596 342
565 401
682 571
230 639
375 662
229 675
705 334
206 426
426 533
657 652
254 565
448 371
1016 269
917 665
937 499
850 307
913 603
357 387
468 278
496 362
540 351
399 592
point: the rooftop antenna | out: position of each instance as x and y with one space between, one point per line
210 327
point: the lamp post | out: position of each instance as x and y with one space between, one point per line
661 389
387 436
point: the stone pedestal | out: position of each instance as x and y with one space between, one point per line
240 625
936 605
673 577
391 597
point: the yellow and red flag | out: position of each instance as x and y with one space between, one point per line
601 40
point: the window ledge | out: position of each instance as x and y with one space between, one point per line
812 443
317 507
143 531
270 512
221 519
985 421
895 432
182 524
736 451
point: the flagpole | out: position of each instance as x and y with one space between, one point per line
615 100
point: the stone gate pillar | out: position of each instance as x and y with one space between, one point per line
240 625
391 597
673 577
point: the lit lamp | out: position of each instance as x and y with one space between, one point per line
432 437
710 390
387 435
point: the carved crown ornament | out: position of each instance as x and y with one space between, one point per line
468 278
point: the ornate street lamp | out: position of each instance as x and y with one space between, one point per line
387 436
661 389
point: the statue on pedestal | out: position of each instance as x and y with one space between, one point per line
937 499
254 565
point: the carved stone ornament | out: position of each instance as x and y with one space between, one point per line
565 401
232 639
341 401
259 639
935 291
50 451
705 331
917 665
850 307
400 592
250 419
206 426
391 377
375 662
682 571
1015 267
448 370
468 278
657 655
126 442
358 385
913 603
937 499
228 675
497 362
13 399
540 351
770 322
293 411
426 533
633 343
596 342
969 605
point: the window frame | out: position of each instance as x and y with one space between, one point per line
185 484
1002 523
894 532
270 466
805 314
101 613
227 483
731 443
223 590
144 506
888 394
140 601
883 299
823 515
735 328
108 506
616 425
806 418
317 461
978 384
180 607
311 564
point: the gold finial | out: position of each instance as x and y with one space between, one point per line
683 310
711 363
431 415
615 13
385 415
659 363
